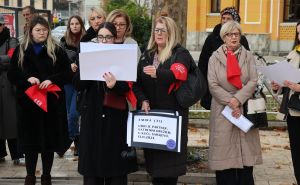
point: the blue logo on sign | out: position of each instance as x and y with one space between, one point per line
171 144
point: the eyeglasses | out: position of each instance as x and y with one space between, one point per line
1 24
107 38
161 30
237 34
120 25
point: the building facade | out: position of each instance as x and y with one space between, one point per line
269 25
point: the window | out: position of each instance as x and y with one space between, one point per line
237 5
292 10
215 6
44 4
6 2
20 3
32 3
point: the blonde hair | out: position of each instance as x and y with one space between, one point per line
99 11
229 27
28 38
120 13
172 38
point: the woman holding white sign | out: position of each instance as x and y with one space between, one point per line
103 152
232 80
158 77
292 114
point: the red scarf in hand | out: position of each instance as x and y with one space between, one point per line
233 70
39 96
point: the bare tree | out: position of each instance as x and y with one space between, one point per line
176 9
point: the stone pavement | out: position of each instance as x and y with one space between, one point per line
276 169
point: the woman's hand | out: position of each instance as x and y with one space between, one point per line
275 86
234 103
74 67
110 80
293 86
236 113
45 84
146 106
33 81
150 70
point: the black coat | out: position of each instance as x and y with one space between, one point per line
211 44
161 163
102 133
8 118
90 34
40 131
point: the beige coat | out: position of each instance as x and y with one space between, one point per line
230 147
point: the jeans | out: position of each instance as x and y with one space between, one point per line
73 115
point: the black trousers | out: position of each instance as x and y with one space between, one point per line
235 176
165 181
120 180
13 149
293 124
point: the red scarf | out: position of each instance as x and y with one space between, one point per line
39 96
233 70
130 96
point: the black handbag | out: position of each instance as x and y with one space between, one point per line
194 88
294 102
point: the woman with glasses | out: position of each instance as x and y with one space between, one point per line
103 158
38 60
70 43
122 22
158 77
232 80
96 17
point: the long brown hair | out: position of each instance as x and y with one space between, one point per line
71 38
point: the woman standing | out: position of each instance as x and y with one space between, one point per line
96 17
292 116
103 126
8 116
39 61
232 153
70 43
122 22
155 78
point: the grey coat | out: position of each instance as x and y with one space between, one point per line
8 118
229 147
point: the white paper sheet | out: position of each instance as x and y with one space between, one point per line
280 72
97 59
243 123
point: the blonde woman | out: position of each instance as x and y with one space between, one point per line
96 17
232 80
157 79
38 60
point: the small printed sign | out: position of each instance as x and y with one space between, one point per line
157 130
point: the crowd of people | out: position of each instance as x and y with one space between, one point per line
98 129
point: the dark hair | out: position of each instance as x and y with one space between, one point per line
31 9
110 26
297 42
38 20
71 39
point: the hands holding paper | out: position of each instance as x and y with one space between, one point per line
234 104
36 81
291 85
110 80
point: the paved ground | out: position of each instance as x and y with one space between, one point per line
276 170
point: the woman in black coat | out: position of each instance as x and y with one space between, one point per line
39 61
155 79
102 144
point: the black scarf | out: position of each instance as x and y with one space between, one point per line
4 35
90 34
